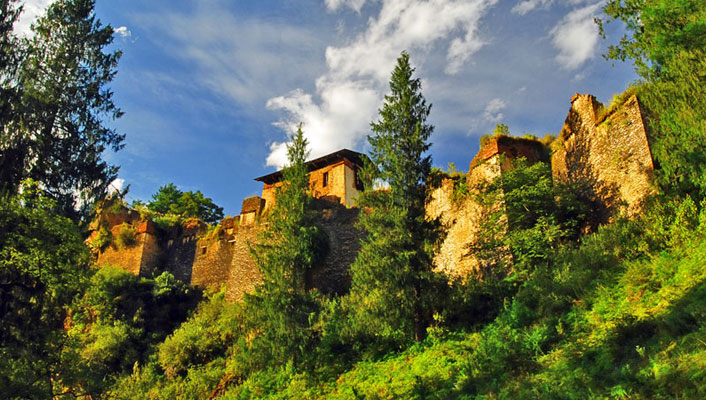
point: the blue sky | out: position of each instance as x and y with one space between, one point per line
212 88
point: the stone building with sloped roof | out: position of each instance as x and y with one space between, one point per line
333 177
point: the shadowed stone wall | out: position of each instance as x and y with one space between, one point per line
338 222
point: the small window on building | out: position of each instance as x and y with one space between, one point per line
358 183
325 179
203 250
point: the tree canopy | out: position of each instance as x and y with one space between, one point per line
54 128
170 200
392 277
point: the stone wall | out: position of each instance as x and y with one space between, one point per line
607 156
460 219
212 262
604 153
462 216
137 258
512 147
333 275
243 275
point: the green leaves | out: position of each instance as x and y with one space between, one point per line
281 311
43 265
170 200
53 131
666 41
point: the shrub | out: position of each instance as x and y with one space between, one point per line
126 236
102 239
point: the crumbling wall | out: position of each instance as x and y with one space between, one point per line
462 216
137 258
607 156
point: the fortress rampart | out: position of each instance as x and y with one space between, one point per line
603 151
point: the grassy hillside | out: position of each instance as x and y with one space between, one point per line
620 316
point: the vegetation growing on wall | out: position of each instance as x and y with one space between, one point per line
618 313
666 41
125 236
170 200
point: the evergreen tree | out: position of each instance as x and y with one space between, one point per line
56 132
392 279
280 310
10 53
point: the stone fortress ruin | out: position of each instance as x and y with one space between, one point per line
605 150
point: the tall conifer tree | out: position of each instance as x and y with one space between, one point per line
280 309
392 280
56 133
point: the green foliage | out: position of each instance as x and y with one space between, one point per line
102 240
620 314
205 337
460 186
125 236
666 42
281 311
54 131
170 200
499 130
167 222
43 265
393 287
118 322
530 216
617 101
191 362
9 55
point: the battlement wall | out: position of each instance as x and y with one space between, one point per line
604 152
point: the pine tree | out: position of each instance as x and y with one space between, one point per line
56 133
280 310
392 280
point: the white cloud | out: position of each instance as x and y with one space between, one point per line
123 32
493 111
334 5
576 36
30 11
116 186
526 6
246 59
352 89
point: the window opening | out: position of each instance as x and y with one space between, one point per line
325 179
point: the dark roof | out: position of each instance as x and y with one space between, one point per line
352 156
